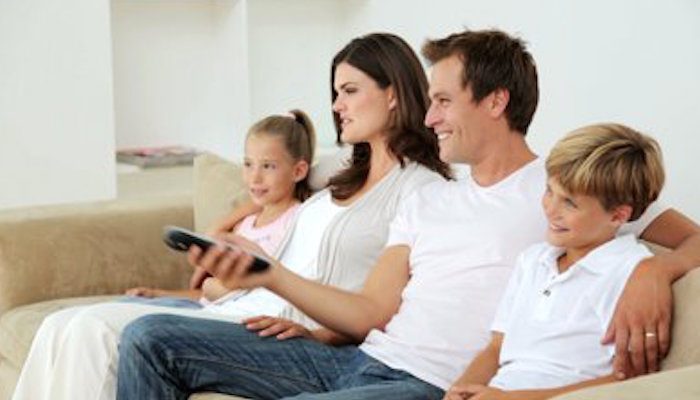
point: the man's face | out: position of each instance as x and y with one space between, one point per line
458 121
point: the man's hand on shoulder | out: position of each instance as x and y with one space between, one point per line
641 325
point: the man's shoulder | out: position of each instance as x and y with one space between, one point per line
434 189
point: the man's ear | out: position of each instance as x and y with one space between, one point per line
498 102
301 170
621 214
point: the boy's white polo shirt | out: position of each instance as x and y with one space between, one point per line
553 322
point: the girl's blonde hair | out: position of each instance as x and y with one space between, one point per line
299 137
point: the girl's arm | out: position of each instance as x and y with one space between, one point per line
141 291
237 215
225 225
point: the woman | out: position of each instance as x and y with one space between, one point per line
379 97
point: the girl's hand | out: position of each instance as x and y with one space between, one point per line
279 327
142 292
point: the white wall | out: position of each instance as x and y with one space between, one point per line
292 44
180 73
199 72
56 119
634 62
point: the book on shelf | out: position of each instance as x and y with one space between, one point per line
153 157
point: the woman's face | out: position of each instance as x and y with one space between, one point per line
363 107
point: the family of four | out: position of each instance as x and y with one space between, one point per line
396 281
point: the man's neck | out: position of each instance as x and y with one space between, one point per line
502 158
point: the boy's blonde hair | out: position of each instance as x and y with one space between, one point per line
611 162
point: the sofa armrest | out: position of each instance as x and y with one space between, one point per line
677 384
89 249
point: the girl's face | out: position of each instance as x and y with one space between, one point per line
363 107
269 171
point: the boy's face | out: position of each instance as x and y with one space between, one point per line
579 222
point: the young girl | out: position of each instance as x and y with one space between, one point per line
278 154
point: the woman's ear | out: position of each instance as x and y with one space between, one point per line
301 170
391 96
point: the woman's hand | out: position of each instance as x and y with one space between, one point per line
279 327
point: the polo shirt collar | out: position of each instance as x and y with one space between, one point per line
597 261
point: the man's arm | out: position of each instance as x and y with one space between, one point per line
225 225
642 320
350 314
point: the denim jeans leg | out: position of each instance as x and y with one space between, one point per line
170 357
370 379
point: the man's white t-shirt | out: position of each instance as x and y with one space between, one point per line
553 322
464 240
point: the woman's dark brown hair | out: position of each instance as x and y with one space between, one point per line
390 62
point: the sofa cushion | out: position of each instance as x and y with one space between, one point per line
679 384
685 341
18 326
217 189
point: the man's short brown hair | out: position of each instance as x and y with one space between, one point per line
493 60
611 162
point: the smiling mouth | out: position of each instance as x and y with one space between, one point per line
557 229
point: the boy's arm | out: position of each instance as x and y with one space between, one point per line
642 318
483 392
484 366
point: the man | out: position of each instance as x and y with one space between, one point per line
425 309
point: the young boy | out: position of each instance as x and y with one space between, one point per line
562 294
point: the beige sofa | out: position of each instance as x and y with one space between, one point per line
54 257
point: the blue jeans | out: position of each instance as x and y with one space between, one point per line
170 357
